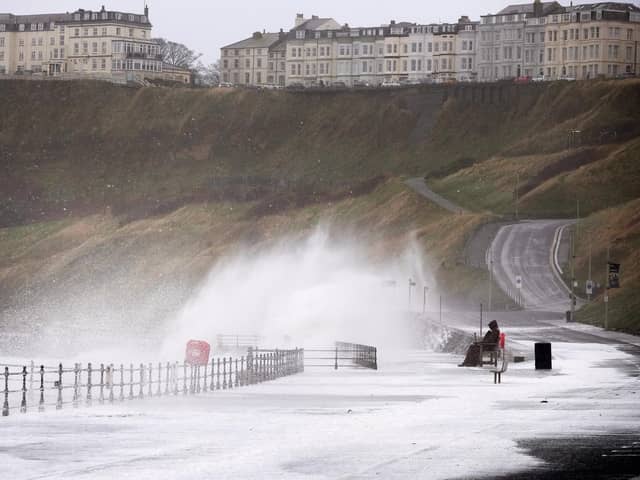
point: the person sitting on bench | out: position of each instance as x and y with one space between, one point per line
488 343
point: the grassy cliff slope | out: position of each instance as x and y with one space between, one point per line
121 193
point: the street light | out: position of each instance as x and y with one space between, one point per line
424 299
411 284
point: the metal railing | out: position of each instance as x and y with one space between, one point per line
343 355
41 387
227 342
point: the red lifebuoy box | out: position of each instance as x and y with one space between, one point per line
503 339
197 352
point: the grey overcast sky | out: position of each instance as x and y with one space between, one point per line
205 26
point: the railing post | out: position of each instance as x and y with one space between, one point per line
150 378
224 373
23 405
166 387
175 378
59 400
218 375
110 382
89 384
75 385
185 390
335 367
41 405
121 397
237 378
5 405
141 377
192 379
250 366
159 389
101 397
131 381
213 366
242 372
204 380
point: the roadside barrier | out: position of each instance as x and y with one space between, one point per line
29 388
343 355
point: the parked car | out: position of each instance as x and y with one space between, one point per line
522 80
390 84
361 84
225 85
539 78
296 86
339 85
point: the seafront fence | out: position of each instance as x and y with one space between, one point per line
343 355
28 388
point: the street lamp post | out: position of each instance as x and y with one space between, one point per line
411 284
424 299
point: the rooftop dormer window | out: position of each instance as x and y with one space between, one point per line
76 16
87 16
41 26
94 16
104 16
131 18
3 27
300 34
33 27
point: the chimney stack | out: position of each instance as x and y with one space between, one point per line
299 19
537 8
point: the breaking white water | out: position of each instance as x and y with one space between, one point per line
303 292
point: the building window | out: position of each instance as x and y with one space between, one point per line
118 30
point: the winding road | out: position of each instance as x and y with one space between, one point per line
528 251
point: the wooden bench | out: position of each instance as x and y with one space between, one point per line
490 351
502 363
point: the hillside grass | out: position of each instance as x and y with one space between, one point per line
120 183
619 230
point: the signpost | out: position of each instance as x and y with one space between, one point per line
589 288
612 281
519 287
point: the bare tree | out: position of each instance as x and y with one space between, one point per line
208 75
177 54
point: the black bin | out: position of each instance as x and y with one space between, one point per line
568 315
543 356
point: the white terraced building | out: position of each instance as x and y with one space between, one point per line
93 44
542 40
